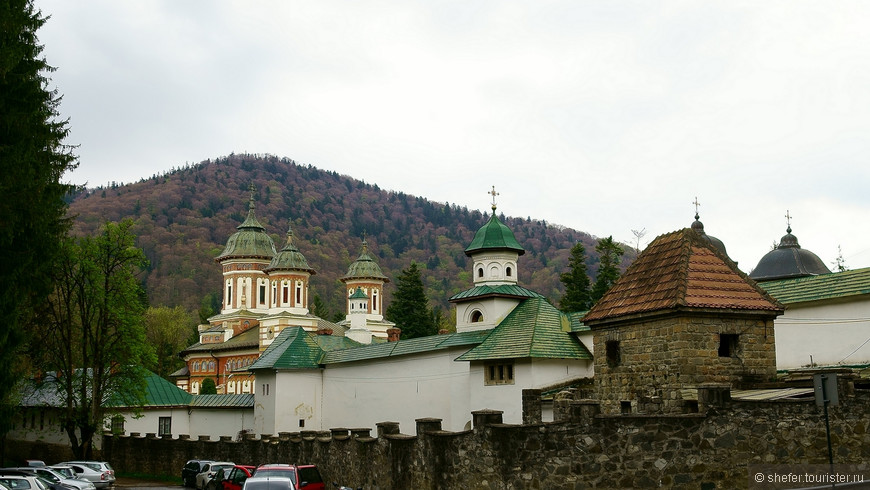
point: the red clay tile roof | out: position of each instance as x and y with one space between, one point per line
681 270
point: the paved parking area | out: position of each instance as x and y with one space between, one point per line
151 485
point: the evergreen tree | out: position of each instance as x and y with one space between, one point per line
169 331
32 162
609 253
576 280
208 387
409 308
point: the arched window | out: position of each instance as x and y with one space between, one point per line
374 300
507 272
194 388
493 271
476 316
480 272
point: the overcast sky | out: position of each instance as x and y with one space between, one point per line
606 117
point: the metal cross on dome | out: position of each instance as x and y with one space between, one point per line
788 218
696 203
493 193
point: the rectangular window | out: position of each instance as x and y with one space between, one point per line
118 425
613 353
164 426
499 374
728 343
262 294
625 407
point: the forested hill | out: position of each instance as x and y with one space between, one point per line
183 220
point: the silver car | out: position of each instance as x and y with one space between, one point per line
68 479
99 473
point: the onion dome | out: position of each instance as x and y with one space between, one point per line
699 229
289 258
788 260
250 242
364 267
494 235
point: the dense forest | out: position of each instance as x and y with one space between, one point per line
184 217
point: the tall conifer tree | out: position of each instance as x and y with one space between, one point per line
409 308
32 210
609 253
576 280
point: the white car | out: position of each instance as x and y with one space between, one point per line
68 479
97 472
208 471
16 482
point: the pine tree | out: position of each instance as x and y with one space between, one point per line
32 162
409 308
609 253
576 280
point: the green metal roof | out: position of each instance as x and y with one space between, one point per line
359 294
494 235
509 290
405 347
364 267
534 329
821 287
242 400
293 348
161 393
250 338
289 258
576 318
251 241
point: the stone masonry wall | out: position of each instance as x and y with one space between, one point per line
653 372
582 449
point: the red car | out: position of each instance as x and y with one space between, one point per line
233 479
303 476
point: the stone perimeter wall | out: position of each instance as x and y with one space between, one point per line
582 449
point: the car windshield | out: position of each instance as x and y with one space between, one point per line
66 472
15 483
270 484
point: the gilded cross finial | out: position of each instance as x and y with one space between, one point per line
788 218
696 203
493 193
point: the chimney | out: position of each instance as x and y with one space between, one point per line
324 331
443 331
393 334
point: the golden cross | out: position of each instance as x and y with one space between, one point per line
493 193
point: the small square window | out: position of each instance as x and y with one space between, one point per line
728 344
625 407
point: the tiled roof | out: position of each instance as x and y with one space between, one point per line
504 290
817 288
243 400
680 270
534 329
576 319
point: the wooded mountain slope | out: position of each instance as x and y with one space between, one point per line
183 220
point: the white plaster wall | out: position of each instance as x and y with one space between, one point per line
264 405
299 398
149 422
494 310
400 389
833 333
218 422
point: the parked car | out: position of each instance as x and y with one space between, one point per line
269 483
305 476
57 478
100 473
191 469
231 478
22 481
208 472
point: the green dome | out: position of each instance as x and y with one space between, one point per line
251 241
494 235
289 258
364 267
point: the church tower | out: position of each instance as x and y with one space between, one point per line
244 258
364 275
494 253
